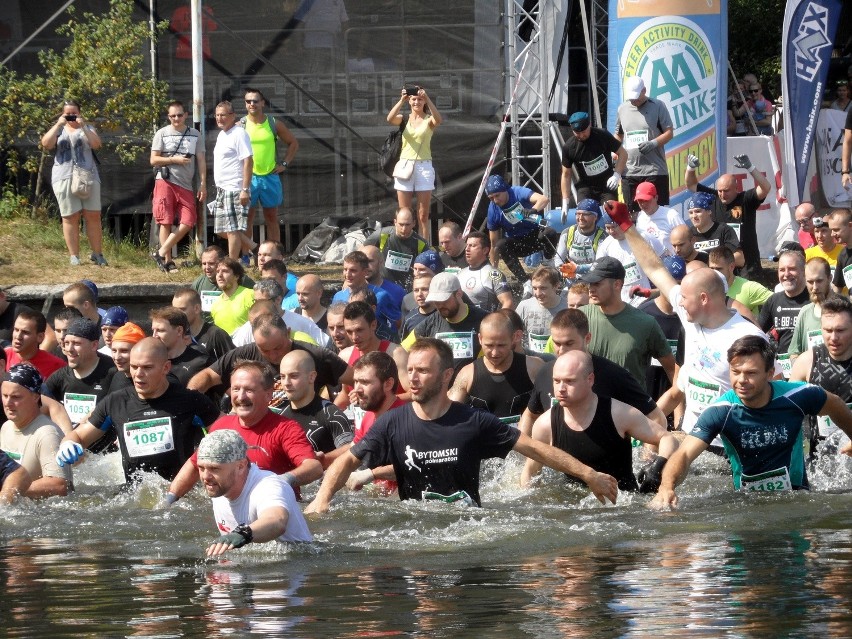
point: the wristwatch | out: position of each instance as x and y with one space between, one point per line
284 164
246 189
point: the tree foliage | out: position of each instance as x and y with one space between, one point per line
754 40
103 68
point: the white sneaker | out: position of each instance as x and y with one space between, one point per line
75 261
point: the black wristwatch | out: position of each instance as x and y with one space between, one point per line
245 532
284 164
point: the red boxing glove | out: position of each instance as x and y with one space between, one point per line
619 214
638 291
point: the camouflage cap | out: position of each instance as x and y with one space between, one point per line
222 447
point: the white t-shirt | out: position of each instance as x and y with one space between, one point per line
264 489
295 322
633 273
705 374
232 147
660 225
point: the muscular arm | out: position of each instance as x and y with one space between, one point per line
335 478
801 370
541 432
270 524
186 478
665 137
460 389
306 472
506 300
631 422
761 184
289 139
675 472
621 160
565 182
602 486
57 414
204 380
539 201
691 180
85 434
47 487
494 236
525 425
400 356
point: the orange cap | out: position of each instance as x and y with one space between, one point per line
130 333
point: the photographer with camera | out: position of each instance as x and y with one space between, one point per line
75 180
177 152
414 172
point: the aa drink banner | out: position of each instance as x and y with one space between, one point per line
809 29
679 48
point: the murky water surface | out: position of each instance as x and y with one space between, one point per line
548 562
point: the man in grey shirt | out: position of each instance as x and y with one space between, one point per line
644 127
177 152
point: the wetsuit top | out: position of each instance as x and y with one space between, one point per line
598 445
833 376
504 394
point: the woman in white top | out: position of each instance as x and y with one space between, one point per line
414 173
74 141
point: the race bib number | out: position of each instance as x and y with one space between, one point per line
452 269
398 261
785 363
826 426
149 437
460 497
581 253
207 299
631 273
461 343
537 343
595 167
736 228
773 481
814 338
634 138
706 245
514 213
847 276
357 416
512 420
702 393
78 405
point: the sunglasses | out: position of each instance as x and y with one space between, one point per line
754 90
252 101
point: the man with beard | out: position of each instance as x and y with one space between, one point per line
808 331
436 446
278 444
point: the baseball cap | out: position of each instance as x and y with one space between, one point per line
442 287
115 316
589 205
579 121
675 266
92 287
85 328
130 333
222 447
606 268
27 376
496 184
645 191
700 201
633 87
431 260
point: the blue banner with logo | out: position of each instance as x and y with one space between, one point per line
679 48
807 41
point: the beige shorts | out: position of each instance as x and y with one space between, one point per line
70 204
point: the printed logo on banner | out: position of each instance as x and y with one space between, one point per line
677 61
812 38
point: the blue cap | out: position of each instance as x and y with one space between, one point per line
589 205
579 121
115 316
92 287
675 266
700 201
85 328
431 260
496 184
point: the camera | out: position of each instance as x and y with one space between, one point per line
164 171
412 90
71 118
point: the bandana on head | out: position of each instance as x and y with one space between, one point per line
129 333
700 201
222 447
85 328
430 259
27 376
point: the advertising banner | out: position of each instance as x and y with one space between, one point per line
679 48
829 147
809 30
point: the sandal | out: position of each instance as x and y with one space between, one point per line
171 267
160 261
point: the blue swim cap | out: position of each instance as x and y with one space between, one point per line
589 205
115 316
700 201
675 266
496 184
431 260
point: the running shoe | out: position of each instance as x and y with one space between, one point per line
160 261
98 259
75 261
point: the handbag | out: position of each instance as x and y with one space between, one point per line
389 154
82 181
403 169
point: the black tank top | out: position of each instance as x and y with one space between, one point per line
830 374
599 446
504 394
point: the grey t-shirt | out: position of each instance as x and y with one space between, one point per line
70 148
637 125
169 141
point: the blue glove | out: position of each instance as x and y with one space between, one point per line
69 453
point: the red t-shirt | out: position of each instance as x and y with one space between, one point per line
387 485
42 361
281 443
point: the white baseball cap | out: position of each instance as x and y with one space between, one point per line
442 287
633 87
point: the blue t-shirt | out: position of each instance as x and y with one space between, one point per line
7 466
510 216
764 439
387 313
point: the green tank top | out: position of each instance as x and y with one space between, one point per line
262 138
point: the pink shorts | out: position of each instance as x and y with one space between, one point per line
173 203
